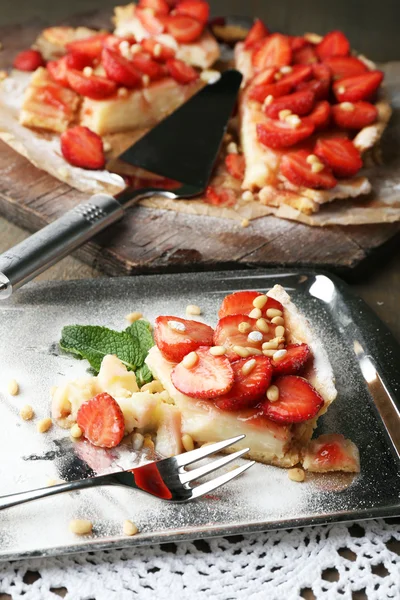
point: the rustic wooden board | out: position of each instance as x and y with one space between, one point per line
151 241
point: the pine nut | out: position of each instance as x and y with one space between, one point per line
187 442
244 327
80 526
243 352
283 114
273 393
296 474
13 387
268 100
255 313
317 167
293 120
218 350
248 366
262 325
255 336
137 441
279 355
51 482
87 71
76 431
279 331
278 321
232 148
129 528
106 146
193 309
44 425
245 222
148 443
157 50
145 80
271 345
253 351
177 326
26 412
122 92
286 69
260 301
341 89
347 106
210 75
312 158
133 316
269 353
314 38
190 360
278 76
135 48
274 312
153 387
247 196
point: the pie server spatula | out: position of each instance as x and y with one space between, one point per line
183 147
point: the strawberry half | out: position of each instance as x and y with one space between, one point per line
345 66
241 303
102 421
279 134
180 71
257 33
143 62
90 47
219 196
298 74
321 114
159 6
298 401
248 389
82 148
305 56
175 344
93 87
300 103
261 91
297 42
275 51
359 87
153 23
297 170
119 69
334 43
198 9
340 155
235 165
294 360
184 28
28 60
210 377
227 334
162 53
357 116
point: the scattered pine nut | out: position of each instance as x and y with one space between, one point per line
232 148
148 443
271 345
106 146
244 327
278 321
129 528
13 387
190 360
279 331
26 412
269 353
253 351
88 71
262 325
245 223
255 336
293 120
122 92
260 301
279 354
273 393
145 80
137 441
268 100
218 350
44 425
193 309
312 158
187 442
284 114
243 352
153 387
296 474
314 38
157 50
341 89
255 313
177 326
247 196
347 106
286 69
248 366
273 312
317 167
278 76
133 316
80 526
75 431
135 48
210 75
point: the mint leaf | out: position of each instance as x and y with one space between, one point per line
140 331
143 375
94 342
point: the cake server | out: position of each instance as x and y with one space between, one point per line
183 147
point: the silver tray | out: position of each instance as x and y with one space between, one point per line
365 359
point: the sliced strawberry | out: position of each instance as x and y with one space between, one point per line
340 155
265 76
183 28
101 421
321 72
90 47
345 66
257 32
294 166
300 103
260 92
235 165
294 360
247 390
219 196
154 24
321 83
198 9
158 51
227 334
321 114
241 303
119 69
82 148
112 42
305 56
210 377
93 87
143 62
298 74
175 344
297 42
334 43
58 70
275 51
359 87
28 60
355 116
181 72
280 134
298 401
159 6
331 452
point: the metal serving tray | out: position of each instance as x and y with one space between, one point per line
365 360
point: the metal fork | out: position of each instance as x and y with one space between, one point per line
167 479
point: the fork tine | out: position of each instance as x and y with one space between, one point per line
190 457
210 467
209 486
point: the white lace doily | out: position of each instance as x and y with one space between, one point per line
331 561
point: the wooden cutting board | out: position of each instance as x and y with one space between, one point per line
151 241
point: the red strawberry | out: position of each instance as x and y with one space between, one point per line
260 92
345 66
241 303
321 72
294 360
359 87
298 401
227 334
334 43
90 47
257 32
340 155
210 377
248 389
28 60
83 148
93 87
320 87
119 69
305 56
158 51
159 6
101 421
280 134
180 71
58 69
175 344
300 103
298 74
198 9
183 28
321 114
265 76
112 42
143 62
297 42
154 24
235 165
275 51
355 116
219 196
294 166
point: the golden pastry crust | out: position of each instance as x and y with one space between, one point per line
52 41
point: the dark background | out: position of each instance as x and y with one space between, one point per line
372 25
